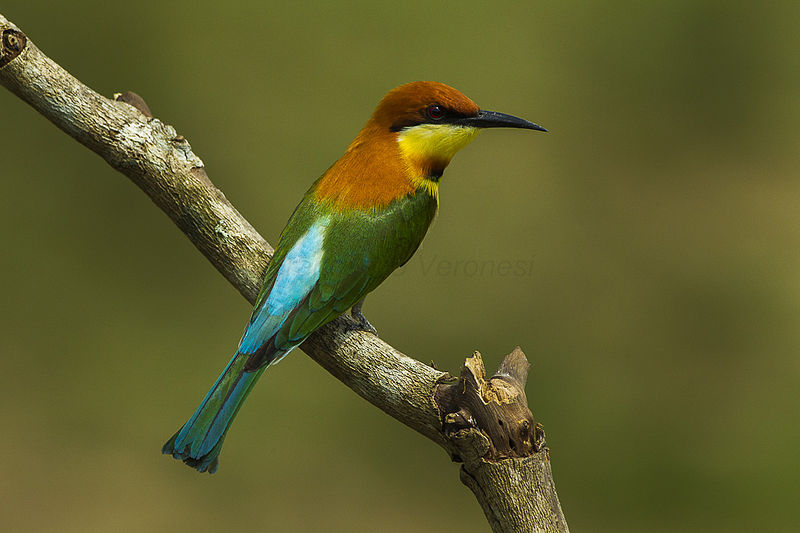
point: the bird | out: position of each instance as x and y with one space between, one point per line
362 219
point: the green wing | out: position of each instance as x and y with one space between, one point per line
361 249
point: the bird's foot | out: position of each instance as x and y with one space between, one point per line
362 324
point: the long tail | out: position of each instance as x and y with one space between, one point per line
199 441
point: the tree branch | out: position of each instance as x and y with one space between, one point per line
486 425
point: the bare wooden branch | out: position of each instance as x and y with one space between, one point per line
492 432
486 425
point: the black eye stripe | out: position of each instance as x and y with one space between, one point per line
424 117
406 123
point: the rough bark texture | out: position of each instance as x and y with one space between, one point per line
490 429
486 425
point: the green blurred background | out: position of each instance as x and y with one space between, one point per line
658 223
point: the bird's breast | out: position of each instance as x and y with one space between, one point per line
387 236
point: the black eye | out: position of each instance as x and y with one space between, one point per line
435 112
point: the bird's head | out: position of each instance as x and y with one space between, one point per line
432 121
405 146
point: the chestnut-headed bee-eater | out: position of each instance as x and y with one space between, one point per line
364 217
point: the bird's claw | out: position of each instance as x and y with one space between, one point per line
362 324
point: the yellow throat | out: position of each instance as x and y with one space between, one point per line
428 148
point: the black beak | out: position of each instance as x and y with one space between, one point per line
492 119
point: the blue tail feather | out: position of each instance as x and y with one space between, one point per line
199 441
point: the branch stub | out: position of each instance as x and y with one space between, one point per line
14 42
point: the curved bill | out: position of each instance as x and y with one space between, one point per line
493 119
